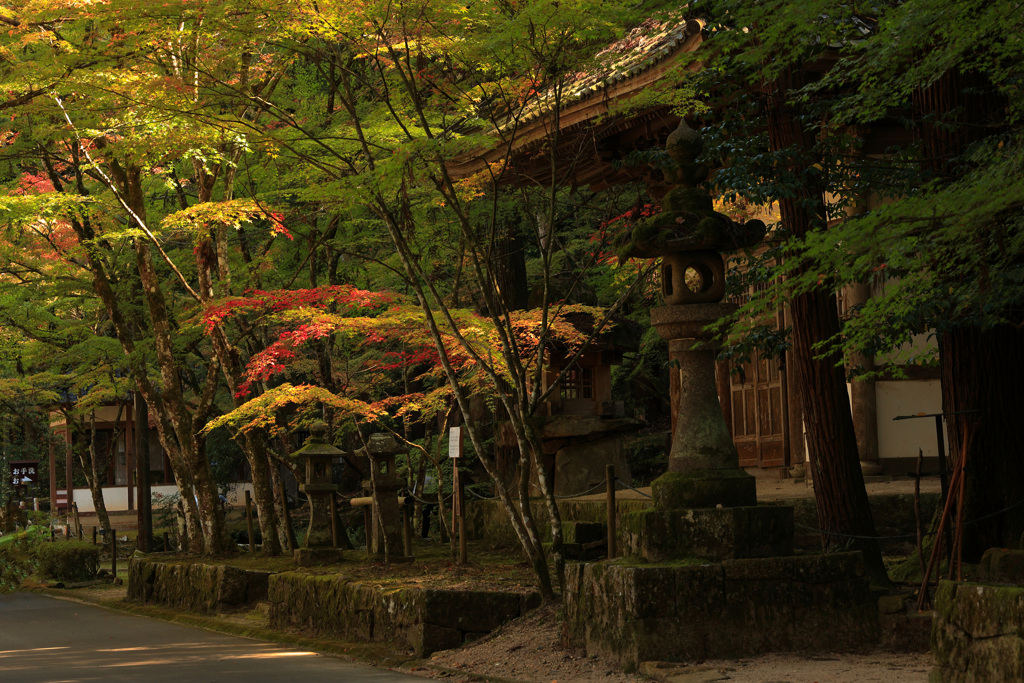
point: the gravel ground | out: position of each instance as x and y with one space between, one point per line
527 650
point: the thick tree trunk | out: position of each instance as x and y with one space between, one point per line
212 537
983 371
844 514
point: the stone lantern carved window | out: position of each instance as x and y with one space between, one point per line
578 383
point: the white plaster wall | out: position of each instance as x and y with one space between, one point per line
903 438
116 497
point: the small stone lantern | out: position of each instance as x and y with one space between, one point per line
384 537
318 456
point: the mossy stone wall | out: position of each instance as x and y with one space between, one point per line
735 608
893 515
978 633
202 588
427 620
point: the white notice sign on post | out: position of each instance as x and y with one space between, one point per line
455 442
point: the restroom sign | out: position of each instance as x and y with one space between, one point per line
24 472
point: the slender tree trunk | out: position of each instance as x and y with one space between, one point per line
92 477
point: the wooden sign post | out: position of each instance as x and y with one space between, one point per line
458 501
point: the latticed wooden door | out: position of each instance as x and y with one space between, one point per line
757 413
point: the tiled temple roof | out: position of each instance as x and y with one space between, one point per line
644 46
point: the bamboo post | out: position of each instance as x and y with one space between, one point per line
368 524
610 505
407 527
248 520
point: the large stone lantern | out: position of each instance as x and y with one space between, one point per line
689 236
704 504
317 456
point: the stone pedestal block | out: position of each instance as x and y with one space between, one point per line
709 533
737 608
704 489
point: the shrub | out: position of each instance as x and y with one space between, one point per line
12 570
68 561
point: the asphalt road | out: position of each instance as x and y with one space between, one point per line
44 639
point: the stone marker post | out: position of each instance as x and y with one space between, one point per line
317 454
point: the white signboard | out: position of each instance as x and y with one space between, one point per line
455 442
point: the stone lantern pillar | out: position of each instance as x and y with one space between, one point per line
705 505
317 457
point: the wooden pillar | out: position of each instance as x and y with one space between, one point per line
53 478
863 401
68 466
140 421
129 456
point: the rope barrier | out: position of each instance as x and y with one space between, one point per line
584 493
645 495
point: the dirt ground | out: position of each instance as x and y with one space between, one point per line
527 650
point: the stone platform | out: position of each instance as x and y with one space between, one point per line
735 608
708 533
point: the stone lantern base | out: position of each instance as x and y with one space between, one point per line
704 489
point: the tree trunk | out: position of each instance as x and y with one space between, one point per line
844 514
984 371
92 478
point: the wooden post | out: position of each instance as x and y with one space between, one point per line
407 527
335 526
94 535
456 484
167 542
463 556
610 504
248 520
113 553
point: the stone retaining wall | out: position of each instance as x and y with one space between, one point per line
893 515
978 633
736 608
202 588
427 620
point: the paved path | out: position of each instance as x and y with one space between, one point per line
48 640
